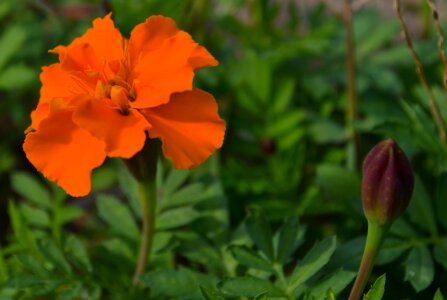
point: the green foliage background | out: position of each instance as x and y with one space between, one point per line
276 214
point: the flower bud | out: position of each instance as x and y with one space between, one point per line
387 184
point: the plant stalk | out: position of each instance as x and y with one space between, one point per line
352 105
374 240
147 192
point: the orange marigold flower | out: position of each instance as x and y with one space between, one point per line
107 91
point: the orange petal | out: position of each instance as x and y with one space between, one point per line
163 59
57 83
64 153
38 115
189 126
105 39
124 135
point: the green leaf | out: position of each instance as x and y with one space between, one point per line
377 290
420 208
35 216
314 260
169 283
440 253
72 292
176 217
3 269
290 236
440 196
175 180
327 131
246 287
210 294
68 213
250 259
53 254
337 185
391 250
419 269
32 265
189 195
117 216
16 76
30 189
259 231
77 252
21 231
336 282
11 41
438 295
283 96
262 296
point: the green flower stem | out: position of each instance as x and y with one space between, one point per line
374 239
147 192
143 167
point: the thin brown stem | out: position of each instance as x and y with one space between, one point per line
440 35
352 105
420 72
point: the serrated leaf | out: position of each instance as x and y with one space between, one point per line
169 283
246 287
377 290
21 231
53 254
175 179
35 216
32 265
118 216
313 261
248 258
189 195
283 95
420 208
209 294
440 253
72 292
176 217
336 283
289 237
68 213
419 269
11 41
391 250
438 295
262 296
30 189
259 231
77 252
16 76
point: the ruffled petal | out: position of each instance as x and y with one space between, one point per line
56 83
163 59
38 115
189 126
103 37
64 153
124 135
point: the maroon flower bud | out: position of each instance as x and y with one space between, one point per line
387 184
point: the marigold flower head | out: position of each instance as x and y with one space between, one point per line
107 93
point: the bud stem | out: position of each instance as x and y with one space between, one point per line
374 239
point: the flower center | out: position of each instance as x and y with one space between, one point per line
118 91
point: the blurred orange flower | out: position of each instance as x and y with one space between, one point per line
108 91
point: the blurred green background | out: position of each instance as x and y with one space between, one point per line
281 86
